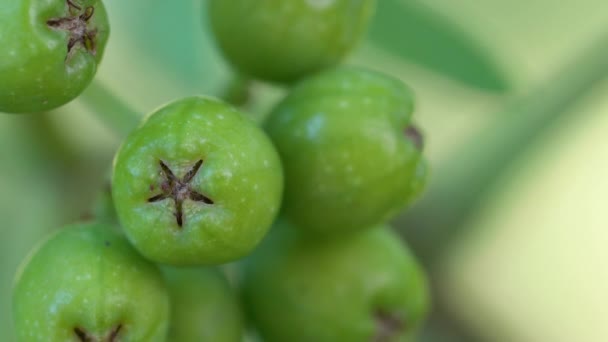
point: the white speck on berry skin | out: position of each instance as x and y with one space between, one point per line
314 125
320 4
62 298
346 85
51 44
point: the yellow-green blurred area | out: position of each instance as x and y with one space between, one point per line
512 99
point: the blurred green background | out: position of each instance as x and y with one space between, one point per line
513 101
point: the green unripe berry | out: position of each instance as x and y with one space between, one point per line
197 183
86 283
283 40
203 306
351 156
363 287
50 51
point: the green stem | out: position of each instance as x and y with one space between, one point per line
238 91
47 139
110 108
462 182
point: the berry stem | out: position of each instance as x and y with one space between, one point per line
110 108
463 181
238 91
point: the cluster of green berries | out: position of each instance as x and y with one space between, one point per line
199 184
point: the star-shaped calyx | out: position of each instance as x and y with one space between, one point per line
84 336
388 326
415 136
76 22
179 190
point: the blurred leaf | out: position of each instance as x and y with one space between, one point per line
534 252
414 32
460 183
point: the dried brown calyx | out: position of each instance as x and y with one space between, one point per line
415 136
388 326
179 190
112 336
77 24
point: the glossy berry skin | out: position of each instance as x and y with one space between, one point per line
203 306
351 157
363 287
283 40
86 283
197 183
50 51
